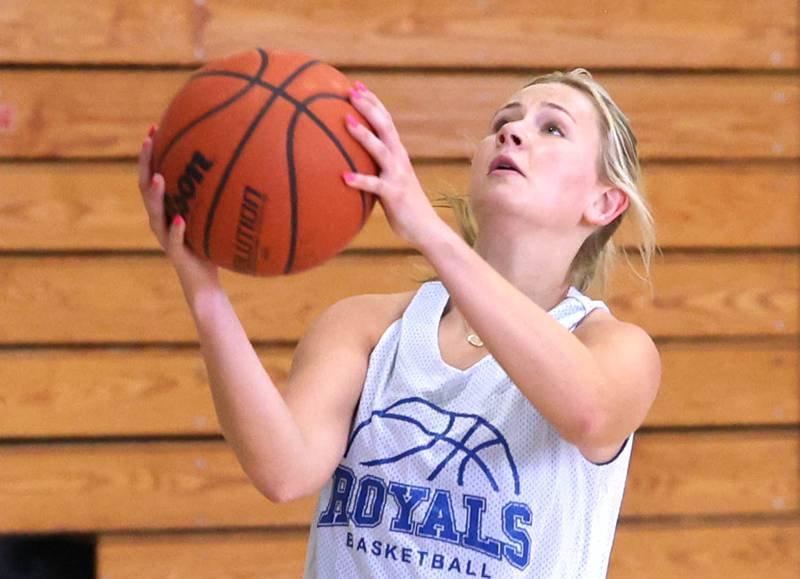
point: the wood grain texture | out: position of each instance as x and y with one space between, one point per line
708 472
654 551
724 384
105 113
710 294
243 555
66 487
138 299
84 299
199 484
520 33
99 366
164 392
710 551
96 206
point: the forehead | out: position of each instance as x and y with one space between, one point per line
576 102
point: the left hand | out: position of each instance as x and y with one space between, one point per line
407 208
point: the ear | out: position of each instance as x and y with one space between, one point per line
606 206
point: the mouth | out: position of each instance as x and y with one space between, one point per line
504 164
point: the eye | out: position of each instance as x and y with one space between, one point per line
501 121
497 124
554 126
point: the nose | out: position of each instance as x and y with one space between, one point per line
509 132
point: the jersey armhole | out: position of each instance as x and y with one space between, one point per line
613 458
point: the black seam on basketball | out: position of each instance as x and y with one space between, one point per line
253 81
303 109
264 60
311 115
271 87
276 92
300 108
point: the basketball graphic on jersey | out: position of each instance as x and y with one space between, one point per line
455 445
453 473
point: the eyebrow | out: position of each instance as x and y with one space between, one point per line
516 105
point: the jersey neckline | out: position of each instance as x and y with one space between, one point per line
441 301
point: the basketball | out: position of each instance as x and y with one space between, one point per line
252 149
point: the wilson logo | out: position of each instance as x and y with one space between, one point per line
192 176
247 230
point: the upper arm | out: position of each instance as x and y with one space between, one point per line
325 381
631 371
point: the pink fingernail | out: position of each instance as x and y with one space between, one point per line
351 120
348 176
354 93
152 131
178 220
361 86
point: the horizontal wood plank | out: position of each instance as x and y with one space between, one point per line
726 205
96 206
62 488
84 299
519 33
165 485
138 299
710 551
164 392
649 551
77 393
710 295
105 114
713 473
723 384
242 555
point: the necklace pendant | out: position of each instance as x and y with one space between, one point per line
474 340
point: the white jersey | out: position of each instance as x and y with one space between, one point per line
451 472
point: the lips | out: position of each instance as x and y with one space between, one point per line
504 163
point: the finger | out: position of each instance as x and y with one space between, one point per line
145 157
154 203
152 134
144 164
378 116
370 97
369 183
176 233
377 148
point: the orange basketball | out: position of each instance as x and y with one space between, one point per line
252 150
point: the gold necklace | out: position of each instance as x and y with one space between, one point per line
472 337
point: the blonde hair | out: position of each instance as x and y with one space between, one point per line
618 165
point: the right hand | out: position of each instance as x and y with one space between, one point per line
194 272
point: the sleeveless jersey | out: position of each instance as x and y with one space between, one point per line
454 473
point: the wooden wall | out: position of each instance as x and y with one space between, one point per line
106 421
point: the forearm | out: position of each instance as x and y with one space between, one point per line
549 365
253 415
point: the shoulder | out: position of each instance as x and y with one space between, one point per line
626 351
628 359
600 326
372 314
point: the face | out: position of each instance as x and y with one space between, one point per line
551 132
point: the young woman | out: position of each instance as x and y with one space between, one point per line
482 424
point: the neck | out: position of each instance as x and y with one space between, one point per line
539 274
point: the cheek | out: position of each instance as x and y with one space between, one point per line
563 187
571 170
480 162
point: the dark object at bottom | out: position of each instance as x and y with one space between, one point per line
47 557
